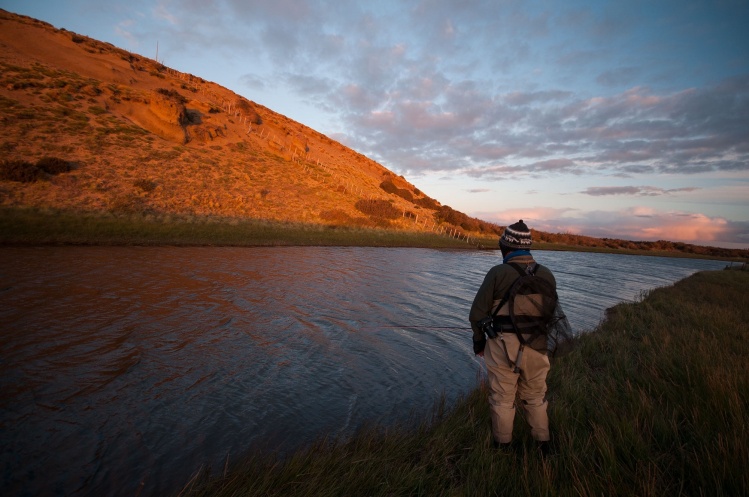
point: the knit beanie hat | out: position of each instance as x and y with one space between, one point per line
516 236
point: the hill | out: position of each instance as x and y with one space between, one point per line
126 134
89 128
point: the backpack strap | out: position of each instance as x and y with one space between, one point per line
529 269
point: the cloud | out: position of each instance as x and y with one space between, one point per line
534 217
649 191
123 30
162 11
634 223
253 81
621 76
632 132
523 99
423 96
532 170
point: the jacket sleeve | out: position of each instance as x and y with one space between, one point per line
482 302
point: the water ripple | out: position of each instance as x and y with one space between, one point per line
131 367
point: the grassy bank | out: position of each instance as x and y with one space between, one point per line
31 227
53 227
655 402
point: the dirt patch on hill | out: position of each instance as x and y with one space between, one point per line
160 114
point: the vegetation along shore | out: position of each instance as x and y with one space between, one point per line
653 402
35 227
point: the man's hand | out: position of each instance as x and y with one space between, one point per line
478 347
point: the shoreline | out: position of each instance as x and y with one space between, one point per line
25 227
650 399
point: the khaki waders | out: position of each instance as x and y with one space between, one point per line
504 383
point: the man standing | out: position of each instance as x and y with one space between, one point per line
512 368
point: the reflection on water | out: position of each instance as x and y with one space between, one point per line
125 369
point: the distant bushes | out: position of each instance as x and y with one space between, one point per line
390 187
426 202
26 172
172 94
248 109
53 165
446 214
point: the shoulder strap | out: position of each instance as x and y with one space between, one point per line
531 269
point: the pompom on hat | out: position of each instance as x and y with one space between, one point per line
516 236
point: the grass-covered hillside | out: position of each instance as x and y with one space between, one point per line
127 136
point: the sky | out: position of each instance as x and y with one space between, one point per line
622 119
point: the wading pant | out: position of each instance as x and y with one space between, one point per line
530 385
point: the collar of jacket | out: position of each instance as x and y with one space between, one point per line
522 256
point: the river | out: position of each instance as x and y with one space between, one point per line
124 369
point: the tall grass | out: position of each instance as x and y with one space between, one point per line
652 403
134 227
131 223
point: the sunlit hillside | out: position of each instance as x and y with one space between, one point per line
91 128
141 138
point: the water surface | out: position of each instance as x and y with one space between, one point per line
123 370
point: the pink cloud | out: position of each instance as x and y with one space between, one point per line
535 217
635 223
692 228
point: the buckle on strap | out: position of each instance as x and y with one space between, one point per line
516 364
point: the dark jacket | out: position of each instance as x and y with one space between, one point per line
495 286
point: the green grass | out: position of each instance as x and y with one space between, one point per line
652 403
132 225
34 227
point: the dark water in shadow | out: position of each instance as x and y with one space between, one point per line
125 369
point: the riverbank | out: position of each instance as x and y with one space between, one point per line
31 227
36 228
653 403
